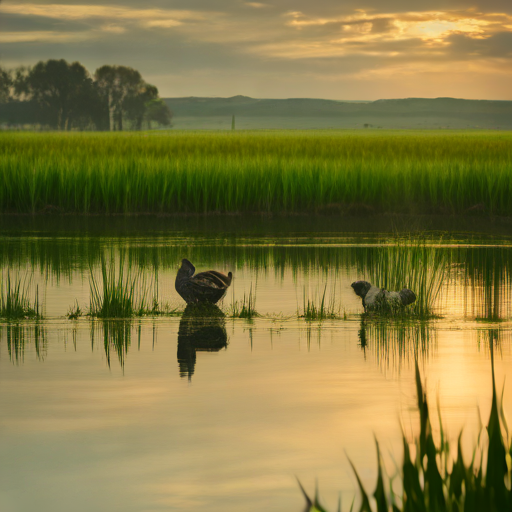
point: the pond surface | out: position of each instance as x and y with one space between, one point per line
170 412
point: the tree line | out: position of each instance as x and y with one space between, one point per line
62 96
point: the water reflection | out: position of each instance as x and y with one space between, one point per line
476 278
116 334
18 335
203 328
495 336
394 342
487 278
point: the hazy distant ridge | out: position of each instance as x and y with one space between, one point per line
304 107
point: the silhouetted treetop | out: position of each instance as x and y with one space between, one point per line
63 96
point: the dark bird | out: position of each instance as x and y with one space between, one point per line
379 299
209 286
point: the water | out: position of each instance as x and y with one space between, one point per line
170 413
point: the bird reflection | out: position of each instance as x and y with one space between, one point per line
202 327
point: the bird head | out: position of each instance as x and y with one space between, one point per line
361 288
187 268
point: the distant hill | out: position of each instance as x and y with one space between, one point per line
194 112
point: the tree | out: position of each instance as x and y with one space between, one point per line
64 96
5 85
117 84
157 110
136 105
59 89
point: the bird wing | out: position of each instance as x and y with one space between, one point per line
373 296
213 279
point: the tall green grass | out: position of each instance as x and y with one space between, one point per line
432 480
122 292
408 264
277 171
15 302
320 306
245 307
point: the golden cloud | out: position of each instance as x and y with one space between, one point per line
426 25
46 36
292 35
81 12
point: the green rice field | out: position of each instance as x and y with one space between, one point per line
327 172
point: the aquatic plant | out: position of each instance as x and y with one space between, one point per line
244 308
122 294
279 171
320 308
433 480
75 311
14 298
411 264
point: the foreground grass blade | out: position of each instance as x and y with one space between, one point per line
428 485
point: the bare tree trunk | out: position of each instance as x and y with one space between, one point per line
110 112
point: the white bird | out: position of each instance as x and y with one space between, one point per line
379 299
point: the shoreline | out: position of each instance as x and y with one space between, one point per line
265 224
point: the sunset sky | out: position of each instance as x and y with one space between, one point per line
348 50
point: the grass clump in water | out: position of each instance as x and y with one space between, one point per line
320 308
75 312
432 480
14 299
244 308
122 294
413 265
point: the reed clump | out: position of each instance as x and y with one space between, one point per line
122 291
409 264
15 302
432 480
75 311
277 172
320 307
245 307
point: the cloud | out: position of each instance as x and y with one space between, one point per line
497 46
87 11
43 37
265 43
